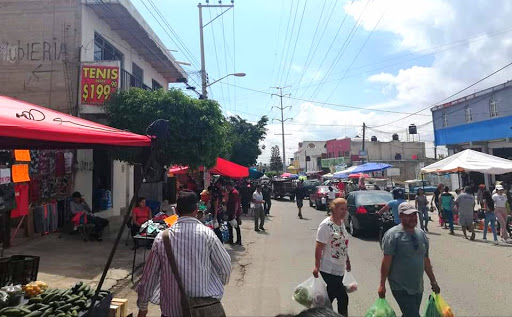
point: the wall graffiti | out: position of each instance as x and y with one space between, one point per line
19 51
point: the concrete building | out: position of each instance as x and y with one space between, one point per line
394 150
481 121
309 155
42 46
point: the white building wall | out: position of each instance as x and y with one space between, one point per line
83 178
92 23
122 187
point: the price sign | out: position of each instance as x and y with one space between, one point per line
98 83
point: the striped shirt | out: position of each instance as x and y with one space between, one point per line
203 263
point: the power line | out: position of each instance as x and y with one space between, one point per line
284 44
449 97
296 40
216 56
289 42
225 57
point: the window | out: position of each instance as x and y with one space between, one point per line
311 145
445 119
104 51
467 113
340 154
155 85
493 107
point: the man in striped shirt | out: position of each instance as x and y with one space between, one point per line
203 263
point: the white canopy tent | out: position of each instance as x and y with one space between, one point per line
470 161
344 173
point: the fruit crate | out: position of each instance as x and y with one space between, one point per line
18 269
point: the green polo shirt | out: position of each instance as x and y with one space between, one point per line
409 252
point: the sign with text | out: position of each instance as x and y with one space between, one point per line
393 171
97 83
328 162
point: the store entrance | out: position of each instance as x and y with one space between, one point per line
102 181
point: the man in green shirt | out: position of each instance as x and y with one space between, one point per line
406 250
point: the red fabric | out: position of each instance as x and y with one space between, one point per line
229 169
141 214
56 127
76 218
21 195
35 190
60 164
180 170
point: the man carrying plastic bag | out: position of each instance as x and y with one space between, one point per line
406 257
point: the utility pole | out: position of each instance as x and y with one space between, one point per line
204 75
364 135
282 120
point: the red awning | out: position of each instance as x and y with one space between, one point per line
178 169
24 125
229 169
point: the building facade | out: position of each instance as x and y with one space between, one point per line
481 121
42 46
309 156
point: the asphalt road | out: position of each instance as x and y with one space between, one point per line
475 276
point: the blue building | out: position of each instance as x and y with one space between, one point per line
481 121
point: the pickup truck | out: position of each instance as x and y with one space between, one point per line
282 187
412 186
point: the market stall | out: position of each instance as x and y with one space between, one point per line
28 126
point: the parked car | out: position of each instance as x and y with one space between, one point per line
319 197
412 186
362 208
310 186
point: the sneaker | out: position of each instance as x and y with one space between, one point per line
496 242
472 236
262 229
484 238
452 233
257 230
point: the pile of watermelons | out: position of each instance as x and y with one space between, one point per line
56 303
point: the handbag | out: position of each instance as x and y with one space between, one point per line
191 306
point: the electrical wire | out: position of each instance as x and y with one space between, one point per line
296 40
449 97
234 56
289 44
216 56
226 58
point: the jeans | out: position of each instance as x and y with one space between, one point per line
490 217
501 215
336 289
245 206
266 206
259 215
448 217
423 214
230 230
409 304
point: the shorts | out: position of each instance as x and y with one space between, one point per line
300 203
465 220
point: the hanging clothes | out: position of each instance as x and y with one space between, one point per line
21 194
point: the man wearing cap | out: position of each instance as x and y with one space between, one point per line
406 257
203 263
465 204
78 207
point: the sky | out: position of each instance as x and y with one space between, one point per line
342 62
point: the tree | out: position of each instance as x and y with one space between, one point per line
244 140
276 162
197 128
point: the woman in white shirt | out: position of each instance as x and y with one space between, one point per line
331 253
500 209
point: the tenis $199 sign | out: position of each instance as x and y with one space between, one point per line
98 83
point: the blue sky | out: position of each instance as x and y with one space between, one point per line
395 51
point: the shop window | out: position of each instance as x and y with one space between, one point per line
138 76
104 51
467 114
340 154
445 119
493 107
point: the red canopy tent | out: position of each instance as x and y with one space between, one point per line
25 125
229 169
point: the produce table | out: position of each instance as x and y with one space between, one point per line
144 241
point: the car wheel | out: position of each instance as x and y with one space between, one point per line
310 203
353 230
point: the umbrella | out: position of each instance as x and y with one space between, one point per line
254 173
371 167
358 175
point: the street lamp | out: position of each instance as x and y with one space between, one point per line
234 74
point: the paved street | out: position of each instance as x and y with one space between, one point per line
474 276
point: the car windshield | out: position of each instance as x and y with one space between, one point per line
324 189
373 198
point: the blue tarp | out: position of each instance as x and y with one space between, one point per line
254 173
370 167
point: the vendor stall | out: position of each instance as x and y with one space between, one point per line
28 126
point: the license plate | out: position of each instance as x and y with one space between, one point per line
324 200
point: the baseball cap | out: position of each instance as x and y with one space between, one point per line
187 202
499 187
407 209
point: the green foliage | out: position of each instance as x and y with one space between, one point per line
197 128
276 162
272 174
244 139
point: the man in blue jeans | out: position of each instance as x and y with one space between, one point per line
406 250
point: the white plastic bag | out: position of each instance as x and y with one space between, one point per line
233 223
215 223
350 282
312 293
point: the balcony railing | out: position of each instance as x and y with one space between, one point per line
128 81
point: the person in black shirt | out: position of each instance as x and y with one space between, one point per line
245 197
299 196
216 207
266 197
